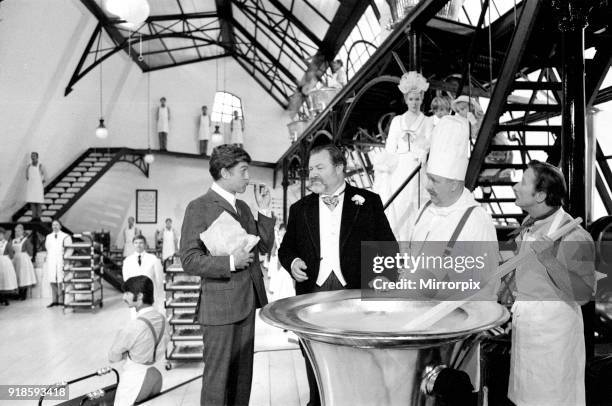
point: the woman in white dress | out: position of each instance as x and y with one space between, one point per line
406 147
8 278
22 260
35 191
237 130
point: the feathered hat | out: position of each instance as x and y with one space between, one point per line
412 82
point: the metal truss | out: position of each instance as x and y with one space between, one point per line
135 158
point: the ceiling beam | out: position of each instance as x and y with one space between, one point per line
112 31
224 13
347 15
185 16
297 22
263 50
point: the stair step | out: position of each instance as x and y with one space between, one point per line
497 200
25 219
90 159
78 184
84 179
69 179
548 108
55 207
95 169
75 173
96 154
73 190
63 184
504 166
52 195
46 219
520 147
58 190
100 164
28 213
86 164
67 195
90 174
61 201
497 183
48 201
80 169
525 127
508 215
49 213
105 159
537 85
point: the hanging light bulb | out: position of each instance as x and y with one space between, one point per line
133 12
101 131
149 158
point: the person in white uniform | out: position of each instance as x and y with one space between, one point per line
54 262
35 190
169 243
452 221
129 232
8 277
337 79
547 361
141 344
204 131
163 124
406 147
237 130
22 260
143 263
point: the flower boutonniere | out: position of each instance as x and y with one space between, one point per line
358 200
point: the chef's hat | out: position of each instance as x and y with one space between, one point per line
450 148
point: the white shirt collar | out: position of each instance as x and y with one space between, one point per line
338 191
144 310
229 197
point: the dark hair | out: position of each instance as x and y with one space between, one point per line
140 284
339 61
163 98
139 237
168 219
226 156
35 153
337 157
550 180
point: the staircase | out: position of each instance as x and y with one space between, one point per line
68 187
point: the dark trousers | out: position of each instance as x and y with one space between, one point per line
163 138
228 363
331 283
203 147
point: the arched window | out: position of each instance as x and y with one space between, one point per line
224 106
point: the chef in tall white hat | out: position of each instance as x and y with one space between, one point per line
453 215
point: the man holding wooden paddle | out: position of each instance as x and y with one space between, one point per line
548 352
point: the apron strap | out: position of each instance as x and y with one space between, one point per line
156 338
425 206
458 229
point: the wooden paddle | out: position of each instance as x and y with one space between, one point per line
439 311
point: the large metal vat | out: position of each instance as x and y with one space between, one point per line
361 353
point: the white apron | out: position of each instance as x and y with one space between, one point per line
128 235
54 262
34 188
548 355
130 382
168 249
23 265
204 130
163 121
8 279
237 136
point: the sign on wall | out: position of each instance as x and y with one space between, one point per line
146 206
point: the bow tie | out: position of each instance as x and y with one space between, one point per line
330 201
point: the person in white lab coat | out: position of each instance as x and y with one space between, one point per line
143 263
452 222
169 243
54 262
204 131
129 233
547 361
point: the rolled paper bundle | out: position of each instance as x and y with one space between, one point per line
443 309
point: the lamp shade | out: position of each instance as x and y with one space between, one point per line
134 12
296 128
217 137
101 131
149 158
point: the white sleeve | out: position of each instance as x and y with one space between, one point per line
393 136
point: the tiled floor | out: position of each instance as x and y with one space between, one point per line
43 346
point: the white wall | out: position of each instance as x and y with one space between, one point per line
41 42
109 203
